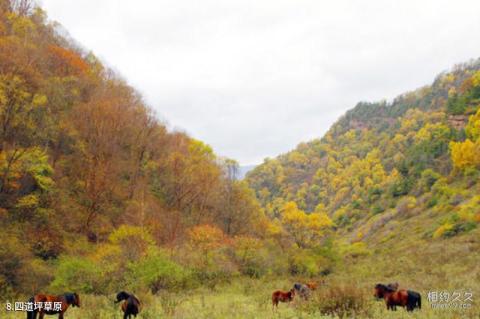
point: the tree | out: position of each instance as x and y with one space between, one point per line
206 239
467 154
307 230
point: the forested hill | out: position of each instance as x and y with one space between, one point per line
84 162
411 166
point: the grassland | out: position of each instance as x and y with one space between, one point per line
249 298
446 265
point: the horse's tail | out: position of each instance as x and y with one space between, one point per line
31 314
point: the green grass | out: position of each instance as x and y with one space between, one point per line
441 265
247 298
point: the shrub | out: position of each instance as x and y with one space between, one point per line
249 255
133 240
303 263
406 204
157 271
340 300
76 274
355 250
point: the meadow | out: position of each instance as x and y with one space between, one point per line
249 298
449 265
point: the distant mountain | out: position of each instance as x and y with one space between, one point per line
243 170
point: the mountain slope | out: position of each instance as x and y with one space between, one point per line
414 161
83 162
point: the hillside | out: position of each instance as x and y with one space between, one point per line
399 180
384 162
86 165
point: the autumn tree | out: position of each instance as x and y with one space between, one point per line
307 230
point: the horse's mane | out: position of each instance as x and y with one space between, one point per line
384 287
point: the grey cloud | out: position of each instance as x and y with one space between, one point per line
255 78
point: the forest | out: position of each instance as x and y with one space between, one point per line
97 195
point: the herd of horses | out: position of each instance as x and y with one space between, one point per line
391 293
130 305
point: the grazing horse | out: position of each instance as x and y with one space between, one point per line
393 298
282 296
303 290
65 300
312 285
131 305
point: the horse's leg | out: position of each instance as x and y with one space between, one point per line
274 303
60 315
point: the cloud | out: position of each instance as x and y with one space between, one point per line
255 78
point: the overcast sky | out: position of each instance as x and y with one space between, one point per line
255 78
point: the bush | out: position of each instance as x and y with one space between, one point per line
250 255
11 261
406 204
340 300
303 264
76 274
157 271
355 250
133 240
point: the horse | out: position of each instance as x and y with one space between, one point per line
131 305
282 296
393 298
303 290
65 300
312 285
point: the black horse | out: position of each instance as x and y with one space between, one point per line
131 305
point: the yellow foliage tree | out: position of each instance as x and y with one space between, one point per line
305 229
206 239
467 154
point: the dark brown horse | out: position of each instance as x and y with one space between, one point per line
65 300
131 305
403 298
282 296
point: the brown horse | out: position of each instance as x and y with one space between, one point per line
65 300
312 285
282 296
131 305
393 298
